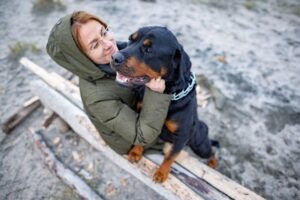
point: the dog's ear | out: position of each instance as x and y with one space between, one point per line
181 63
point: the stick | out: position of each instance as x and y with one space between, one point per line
63 173
49 119
21 114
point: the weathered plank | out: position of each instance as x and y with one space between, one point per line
63 173
49 119
16 118
57 82
197 184
219 181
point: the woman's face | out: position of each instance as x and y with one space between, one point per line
97 42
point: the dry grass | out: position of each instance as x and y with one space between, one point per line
20 48
296 10
41 4
250 4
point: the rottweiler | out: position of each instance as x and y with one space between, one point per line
154 52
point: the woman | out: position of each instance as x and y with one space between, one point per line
83 44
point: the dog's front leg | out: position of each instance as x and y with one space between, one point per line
163 171
136 153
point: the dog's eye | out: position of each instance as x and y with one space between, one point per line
148 50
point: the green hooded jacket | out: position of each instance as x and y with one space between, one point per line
108 105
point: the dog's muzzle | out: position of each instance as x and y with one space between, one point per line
117 60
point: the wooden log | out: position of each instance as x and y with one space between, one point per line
216 179
219 181
48 119
65 87
63 173
27 108
80 123
197 184
62 126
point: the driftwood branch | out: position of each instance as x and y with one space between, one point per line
49 119
28 107
63 173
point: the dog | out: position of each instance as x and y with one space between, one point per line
154 52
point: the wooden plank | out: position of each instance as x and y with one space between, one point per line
63 173
20 115
197 184
65 87
48 119
216 179
219 181
79 122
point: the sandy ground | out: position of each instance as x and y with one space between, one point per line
26 176
249 53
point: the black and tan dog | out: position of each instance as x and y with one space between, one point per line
155 52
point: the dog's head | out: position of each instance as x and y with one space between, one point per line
150 53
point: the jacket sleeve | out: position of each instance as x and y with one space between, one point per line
137 128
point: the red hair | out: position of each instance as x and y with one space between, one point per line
78 18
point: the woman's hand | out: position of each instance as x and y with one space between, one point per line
157 85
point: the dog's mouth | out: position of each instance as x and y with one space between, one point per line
131 81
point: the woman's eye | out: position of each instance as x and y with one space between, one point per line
95 45
104 32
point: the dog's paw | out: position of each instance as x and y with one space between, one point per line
135 154
161 175
212 162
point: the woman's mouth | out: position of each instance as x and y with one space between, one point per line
110 51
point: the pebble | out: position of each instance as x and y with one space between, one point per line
56 141
77 156
124 182
90 167
222 59
85 174
110 190
62 126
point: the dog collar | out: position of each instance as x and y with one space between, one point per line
186 91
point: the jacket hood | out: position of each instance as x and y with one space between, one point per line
63 50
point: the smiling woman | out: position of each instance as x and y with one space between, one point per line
93 37
83 44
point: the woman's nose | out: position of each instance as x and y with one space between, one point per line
106 44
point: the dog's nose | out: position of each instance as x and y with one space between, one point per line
118 58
